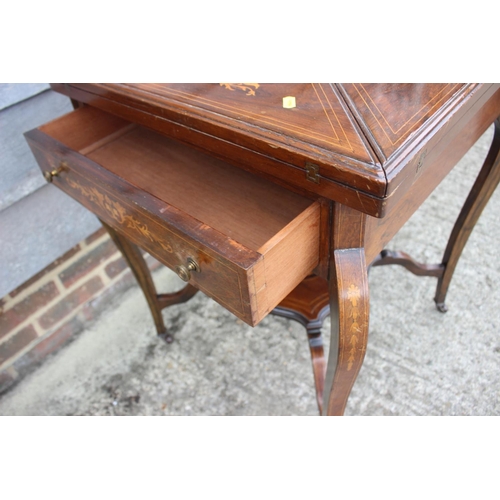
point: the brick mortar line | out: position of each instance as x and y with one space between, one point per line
34 318
96 243
99 271
9 362
44 280
38 329
59 286
106 280
13 301
109 284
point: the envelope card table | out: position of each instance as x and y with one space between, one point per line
272 198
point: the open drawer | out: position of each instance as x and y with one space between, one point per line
242 240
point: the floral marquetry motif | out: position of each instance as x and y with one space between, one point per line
246 87
110 206
353 294
118 213
256 187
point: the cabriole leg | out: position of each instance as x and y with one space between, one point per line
349 307
483 188
133 255
309 304
349 313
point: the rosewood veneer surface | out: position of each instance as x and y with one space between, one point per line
253 240
370 142
266 184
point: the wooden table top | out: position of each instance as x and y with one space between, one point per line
353 143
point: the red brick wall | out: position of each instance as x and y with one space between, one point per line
51 308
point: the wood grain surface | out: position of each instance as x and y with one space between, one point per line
349 308
263 184
366 140
254 241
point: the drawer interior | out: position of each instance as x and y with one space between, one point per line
253 241
248 209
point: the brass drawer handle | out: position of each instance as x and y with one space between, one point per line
184 272
50 174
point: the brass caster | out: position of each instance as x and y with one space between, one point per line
441 307
167 337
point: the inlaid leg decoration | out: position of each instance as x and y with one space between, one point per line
309 304
349 306
156 302
483 188
349 317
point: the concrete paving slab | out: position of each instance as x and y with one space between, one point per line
20 173
37 230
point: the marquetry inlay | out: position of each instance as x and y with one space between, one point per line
318 117
118 212
353 295
246 87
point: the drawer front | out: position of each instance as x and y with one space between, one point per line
147 222
248 280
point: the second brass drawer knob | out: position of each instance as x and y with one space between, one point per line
184 272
